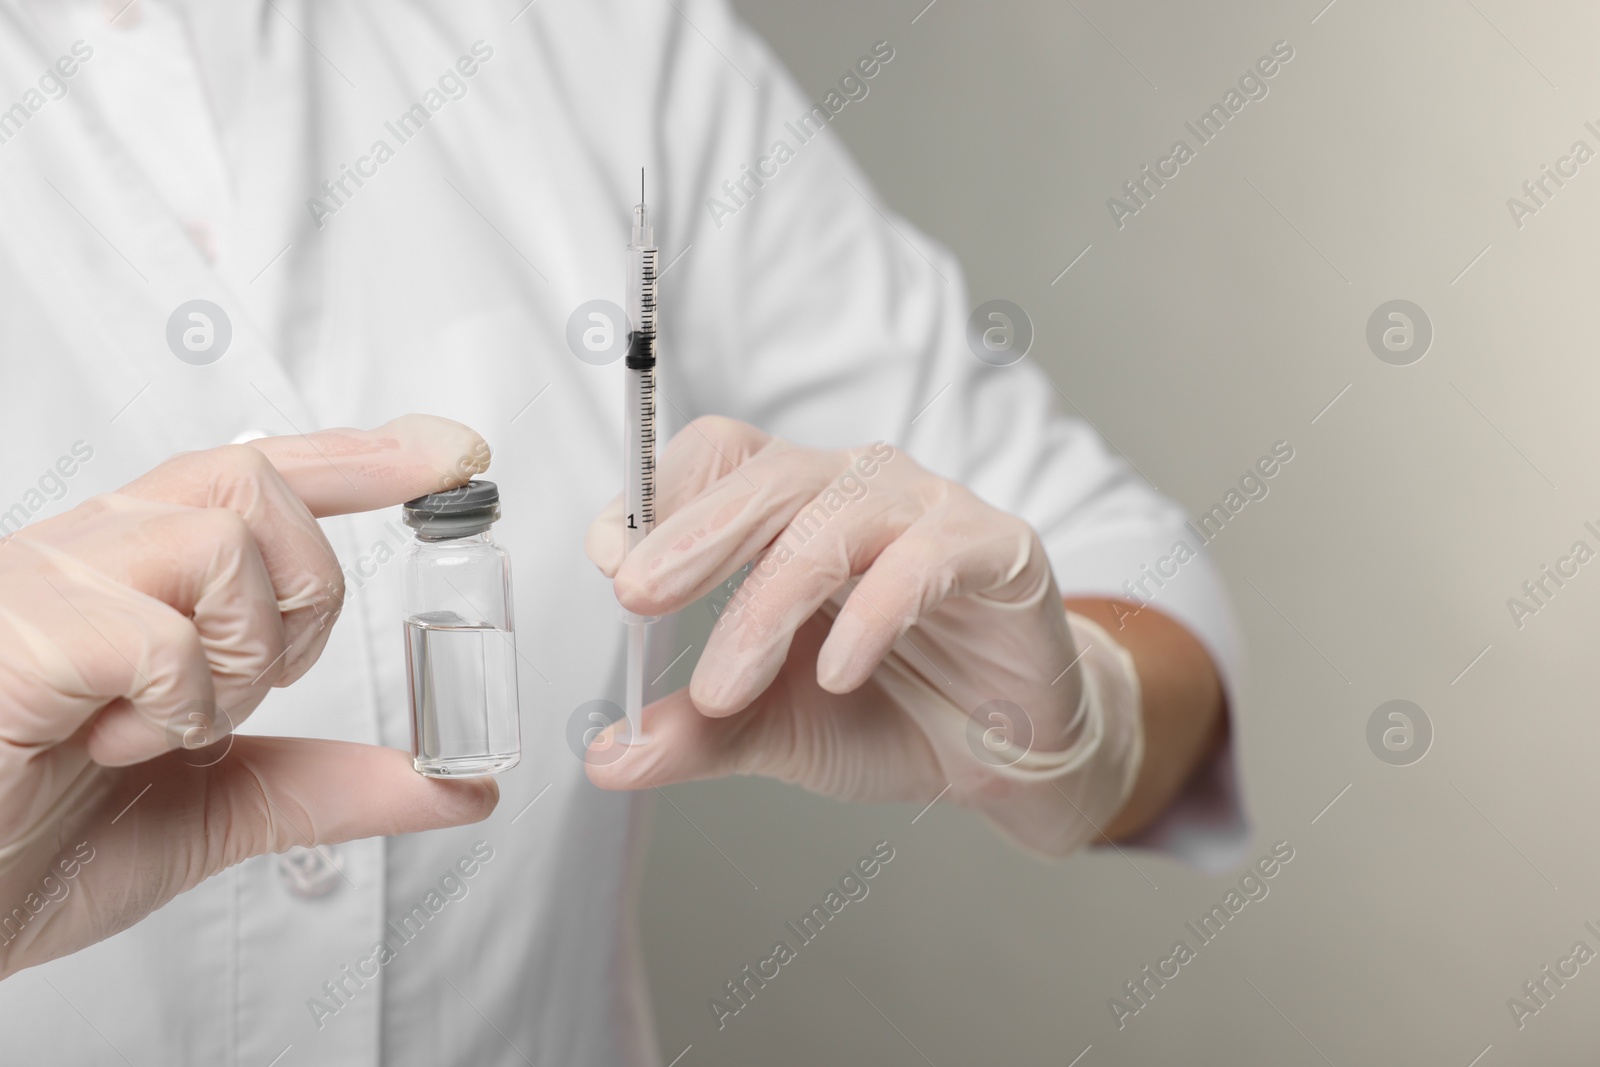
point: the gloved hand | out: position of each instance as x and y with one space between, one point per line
143 624
895 636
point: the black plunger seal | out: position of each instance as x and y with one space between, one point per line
460 512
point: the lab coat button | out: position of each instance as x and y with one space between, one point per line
310 872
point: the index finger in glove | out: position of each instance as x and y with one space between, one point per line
732 492
339 471
279 484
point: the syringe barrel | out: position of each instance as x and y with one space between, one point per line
642 329
639 434
639 400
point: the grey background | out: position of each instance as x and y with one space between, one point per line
1225 317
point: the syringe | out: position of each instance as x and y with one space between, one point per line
639 435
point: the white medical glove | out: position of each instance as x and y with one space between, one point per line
143 624
895 636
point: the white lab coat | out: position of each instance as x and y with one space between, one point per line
179 166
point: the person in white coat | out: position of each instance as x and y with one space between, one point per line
399 207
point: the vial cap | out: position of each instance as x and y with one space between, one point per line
460 512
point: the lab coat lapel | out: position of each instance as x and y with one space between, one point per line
84 220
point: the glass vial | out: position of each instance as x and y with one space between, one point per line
461 654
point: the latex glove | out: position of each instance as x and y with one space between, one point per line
895 636
129 621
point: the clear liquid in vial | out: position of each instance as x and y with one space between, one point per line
463 677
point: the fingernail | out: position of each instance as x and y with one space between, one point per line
718 696
466 801
838 652
604 541
437 436
603 545
609 771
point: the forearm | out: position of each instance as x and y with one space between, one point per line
1183 707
